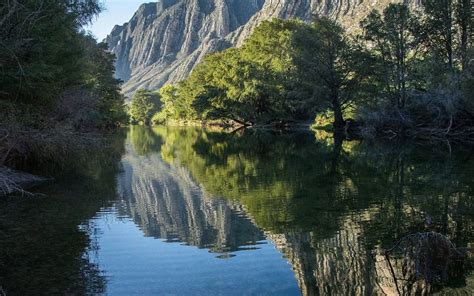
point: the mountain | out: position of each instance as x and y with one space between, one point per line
164 40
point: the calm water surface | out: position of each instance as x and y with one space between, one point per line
187 211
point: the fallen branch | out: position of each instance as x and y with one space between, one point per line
12 181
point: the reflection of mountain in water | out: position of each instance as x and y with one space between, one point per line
324 208
342 264
338 265
166 203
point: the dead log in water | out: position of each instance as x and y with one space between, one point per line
12 181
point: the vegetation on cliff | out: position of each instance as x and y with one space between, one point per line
405 74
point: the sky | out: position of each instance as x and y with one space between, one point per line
116 12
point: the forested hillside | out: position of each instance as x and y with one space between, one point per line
407 74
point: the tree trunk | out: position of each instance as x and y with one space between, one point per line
338 117
403 56
449 33
463 19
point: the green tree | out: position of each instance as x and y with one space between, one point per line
229 90
275 91
332 64
99 78
144 105
168 98
40 46
50 67
394 45
448 28
439 28
465 23
251 84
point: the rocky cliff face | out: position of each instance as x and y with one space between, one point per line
164 40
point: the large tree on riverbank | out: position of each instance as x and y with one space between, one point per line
331 64
251 84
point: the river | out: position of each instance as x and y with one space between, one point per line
192 211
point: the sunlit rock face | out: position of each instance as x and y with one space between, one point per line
165 40
165 203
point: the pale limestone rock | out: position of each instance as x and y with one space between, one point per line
164 41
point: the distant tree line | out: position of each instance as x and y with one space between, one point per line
51 70
406 73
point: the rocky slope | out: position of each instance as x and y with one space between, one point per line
164 40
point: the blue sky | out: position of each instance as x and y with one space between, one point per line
116 12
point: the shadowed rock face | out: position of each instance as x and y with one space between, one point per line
165 40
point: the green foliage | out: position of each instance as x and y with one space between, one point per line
285 71
144 105
99 78
331 64
169 105
420 72
252 84
49 66
324 120
288 70
394 44
448 27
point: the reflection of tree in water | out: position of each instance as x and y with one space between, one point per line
166 203
144 140
42 251
326 205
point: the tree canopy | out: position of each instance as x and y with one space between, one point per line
394 77
144 105
48 62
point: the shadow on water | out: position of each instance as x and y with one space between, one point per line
43 249
349 217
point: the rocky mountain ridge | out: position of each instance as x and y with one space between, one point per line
164 40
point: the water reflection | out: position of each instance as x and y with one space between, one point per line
327 204
331 208
42 249
166 203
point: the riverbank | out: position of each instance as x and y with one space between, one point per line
233 125
12 181
31 156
